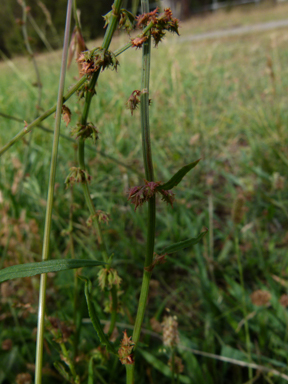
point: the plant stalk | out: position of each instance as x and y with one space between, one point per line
149 173
48 217
81 156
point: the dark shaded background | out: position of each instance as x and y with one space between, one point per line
11 40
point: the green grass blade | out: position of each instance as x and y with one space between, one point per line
32 269
184 244
94 318
175 180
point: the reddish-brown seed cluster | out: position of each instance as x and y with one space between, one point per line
92 61
108 278
77 175
161 23
125 350
178 365
60 330
140 194
133 101
85 132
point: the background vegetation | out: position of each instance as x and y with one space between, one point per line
49 15
222 100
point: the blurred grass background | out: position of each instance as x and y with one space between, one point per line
222 100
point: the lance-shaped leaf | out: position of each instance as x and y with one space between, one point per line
95 320
175 180
32 269
184 244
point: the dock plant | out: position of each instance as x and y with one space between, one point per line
151 27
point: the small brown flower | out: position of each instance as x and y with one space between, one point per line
7 344
178 365
133 101
146 18
23 378
77 45
60 330
102 217
137 42
108 278
284 300
77 175
140 194
66 113
260 297
92 61
85 132
125 350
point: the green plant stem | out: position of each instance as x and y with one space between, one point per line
66 97
149 173
247 335
81 155
48 217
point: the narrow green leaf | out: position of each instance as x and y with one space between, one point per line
32 269
60 368
175 180
94 318
161 367
184 244
90 371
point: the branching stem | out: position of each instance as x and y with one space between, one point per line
149 173
81 154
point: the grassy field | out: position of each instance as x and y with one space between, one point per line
224 101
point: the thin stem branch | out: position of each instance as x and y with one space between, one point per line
48 217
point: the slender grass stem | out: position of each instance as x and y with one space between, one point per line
48 217
149 173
